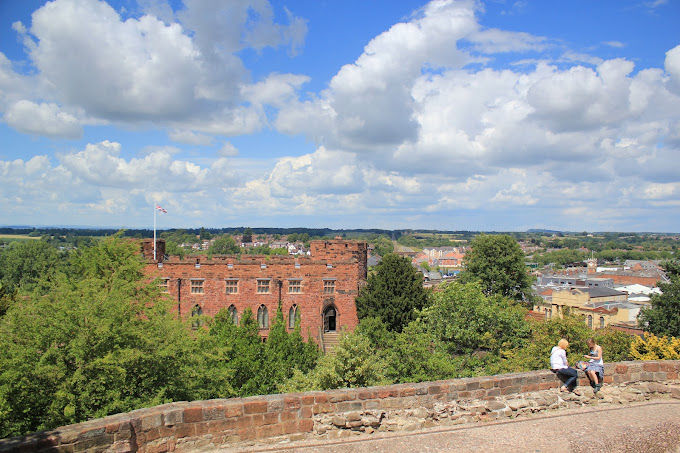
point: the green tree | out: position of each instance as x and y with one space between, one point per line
224 245
615 344
544 335
497 261
247 235
29 265
6 299
416 356
663 317
172 248
393 293
382 245
466 320
101 341
352 364
204 234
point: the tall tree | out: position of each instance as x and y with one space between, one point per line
497 261
393 293
204 234
663 318
224 245
101 341
247 235
29 265
466 320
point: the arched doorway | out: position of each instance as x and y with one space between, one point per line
330 319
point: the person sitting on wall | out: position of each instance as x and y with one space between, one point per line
560 366
595 367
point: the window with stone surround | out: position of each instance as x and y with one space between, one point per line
263 317
233 314
263 286
163 285
294 286
329 286
232 286
197 286
292 316
196 312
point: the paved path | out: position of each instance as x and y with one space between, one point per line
652 426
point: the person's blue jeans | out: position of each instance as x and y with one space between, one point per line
569 376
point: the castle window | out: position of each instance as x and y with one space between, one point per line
233 314
196 286
294 286
263 317
601 322
231 286
329 286
263 286
196 312
163 285
590 321
292 316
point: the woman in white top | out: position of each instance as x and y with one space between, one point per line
595 368
560 366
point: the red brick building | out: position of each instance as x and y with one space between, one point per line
320 287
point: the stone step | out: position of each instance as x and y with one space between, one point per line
330 340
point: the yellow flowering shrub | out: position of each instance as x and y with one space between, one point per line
655 348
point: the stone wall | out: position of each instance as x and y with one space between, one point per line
187 426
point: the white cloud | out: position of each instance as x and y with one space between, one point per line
190 137
498 41
153 69
275 90
227 150
425 123
42 119
672 65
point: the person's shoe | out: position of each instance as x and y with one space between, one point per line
563 389
597 388
576 392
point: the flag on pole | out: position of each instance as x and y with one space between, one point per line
158 208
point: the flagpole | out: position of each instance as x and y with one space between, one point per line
154 231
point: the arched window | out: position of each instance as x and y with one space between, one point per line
263 317
590 321
233 314
601 322
292 316
196 312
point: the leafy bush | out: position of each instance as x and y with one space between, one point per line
655 348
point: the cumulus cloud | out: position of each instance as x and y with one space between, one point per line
672 65
99 164
227 150
180 70
42 119
424 123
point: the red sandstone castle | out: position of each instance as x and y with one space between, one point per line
320 287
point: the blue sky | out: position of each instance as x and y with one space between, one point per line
480 115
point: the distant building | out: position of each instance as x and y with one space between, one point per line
600 306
